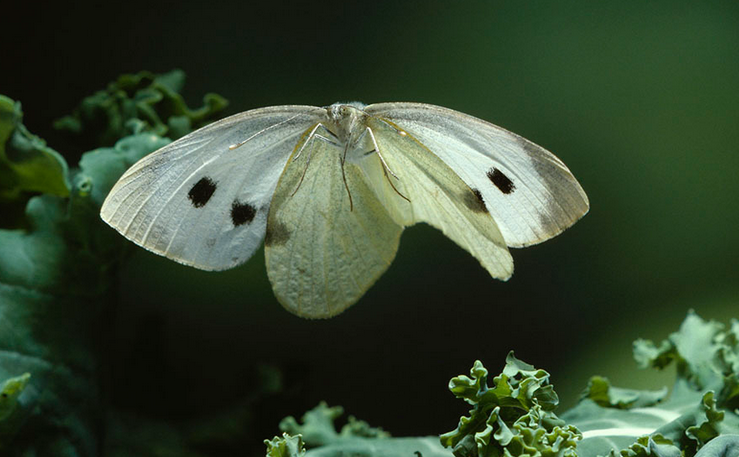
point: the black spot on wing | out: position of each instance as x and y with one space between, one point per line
242 213
201 192
473 200
501 181
277 234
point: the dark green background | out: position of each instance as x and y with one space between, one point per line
640 100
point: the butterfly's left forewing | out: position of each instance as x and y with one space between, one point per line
203 199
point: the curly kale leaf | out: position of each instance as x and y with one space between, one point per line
27 164
154 100
658 446
318 427
53 295
704 352
285 446
55 269
700 408
514 417
722 446
601 392
649 445
11 417
356 438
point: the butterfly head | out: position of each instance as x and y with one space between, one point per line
347 120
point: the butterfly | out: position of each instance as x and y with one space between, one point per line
330 189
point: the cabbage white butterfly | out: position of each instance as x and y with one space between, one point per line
330 189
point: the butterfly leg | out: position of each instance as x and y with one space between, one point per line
385 168
311 136
342 161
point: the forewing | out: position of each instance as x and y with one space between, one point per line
199 200
529 192
417 186
322 250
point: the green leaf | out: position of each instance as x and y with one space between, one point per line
706 425
722 446
54 279
147 99
706 354
356 438
285 446
700 408
318 427
388 447
653 445
601 392
692 348
9 393
514 417
55 273
26 163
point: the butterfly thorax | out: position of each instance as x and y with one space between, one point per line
347 122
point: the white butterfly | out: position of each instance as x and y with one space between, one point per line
330 189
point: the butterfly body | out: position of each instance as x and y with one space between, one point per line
330 189
347 121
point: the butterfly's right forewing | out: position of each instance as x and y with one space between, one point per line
203 199
529 192
425 189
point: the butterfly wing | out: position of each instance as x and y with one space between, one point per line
199 200
420 187
328 236
529 192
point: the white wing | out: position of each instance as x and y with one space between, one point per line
202 203
529 192
425 189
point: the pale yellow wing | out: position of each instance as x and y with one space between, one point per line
436 195
323 252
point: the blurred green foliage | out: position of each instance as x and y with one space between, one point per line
639 99
56 271
104 117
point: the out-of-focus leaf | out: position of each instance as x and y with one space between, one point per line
318 427
706 354
650 445
698 410
601 392
9 393
104 117
706 425
27 164
285 446
356 438
11 416
54 281
427 446
54 294
722 446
